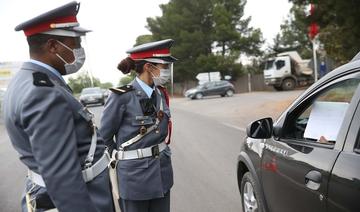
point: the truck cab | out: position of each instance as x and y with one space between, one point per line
286 71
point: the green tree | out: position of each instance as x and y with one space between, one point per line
232 33
143 39
127 79
210 35
293 34
82 80
106 85
339 29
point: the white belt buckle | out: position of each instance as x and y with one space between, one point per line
155 152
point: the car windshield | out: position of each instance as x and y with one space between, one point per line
91 91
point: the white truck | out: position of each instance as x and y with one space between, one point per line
288 70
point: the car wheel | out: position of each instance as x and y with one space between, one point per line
288 84
229 93
250 194
199 96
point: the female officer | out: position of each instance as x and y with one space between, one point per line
138 116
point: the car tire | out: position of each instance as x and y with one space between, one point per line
199 96
288 84
251 198
229 93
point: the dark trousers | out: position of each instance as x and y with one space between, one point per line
152 205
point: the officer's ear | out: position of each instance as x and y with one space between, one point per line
52 46
148 67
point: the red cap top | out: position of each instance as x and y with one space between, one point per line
59 21
150 53
69 21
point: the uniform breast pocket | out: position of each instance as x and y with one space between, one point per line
142 122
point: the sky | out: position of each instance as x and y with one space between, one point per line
115 24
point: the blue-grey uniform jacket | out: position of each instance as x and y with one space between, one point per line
139 179
52 138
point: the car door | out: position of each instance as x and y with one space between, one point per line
344 184
219 88
297 161
209 89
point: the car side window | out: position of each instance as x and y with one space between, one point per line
210 85
279 64
319 120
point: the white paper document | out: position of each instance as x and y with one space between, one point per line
325 120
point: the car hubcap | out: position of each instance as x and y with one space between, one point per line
229 93
250 202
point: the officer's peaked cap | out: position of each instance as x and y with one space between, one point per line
155 52
59 21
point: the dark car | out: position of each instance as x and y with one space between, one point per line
92 95
309 159
222 88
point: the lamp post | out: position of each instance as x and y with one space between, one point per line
313 31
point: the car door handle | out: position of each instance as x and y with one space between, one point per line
313 180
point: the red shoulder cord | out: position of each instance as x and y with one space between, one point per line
167 100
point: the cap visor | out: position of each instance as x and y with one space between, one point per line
68 32
161 60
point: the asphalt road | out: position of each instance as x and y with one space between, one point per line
206 141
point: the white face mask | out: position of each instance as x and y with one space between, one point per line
79 55
165 75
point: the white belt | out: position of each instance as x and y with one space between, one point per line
140 153
88 173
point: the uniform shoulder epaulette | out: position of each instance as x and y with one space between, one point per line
122 90
41 79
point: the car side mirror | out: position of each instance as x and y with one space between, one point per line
260 129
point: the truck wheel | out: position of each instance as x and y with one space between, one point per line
278 88
250 194
288 84
199 96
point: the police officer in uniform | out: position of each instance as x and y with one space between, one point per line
138 116
52 132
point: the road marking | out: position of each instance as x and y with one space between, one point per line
235 127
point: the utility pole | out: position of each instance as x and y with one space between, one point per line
315 60
249 81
